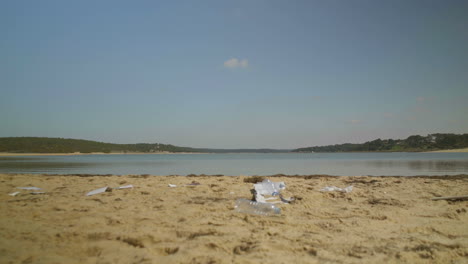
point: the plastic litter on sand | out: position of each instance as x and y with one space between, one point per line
334 188
100 190
124 187
270 192
29 188
256 208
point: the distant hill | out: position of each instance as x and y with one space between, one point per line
208 150
414 143
62 145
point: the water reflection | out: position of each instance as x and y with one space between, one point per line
18 158
76 165
405 164
422 165
43 166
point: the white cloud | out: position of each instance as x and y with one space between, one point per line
236 63
244 63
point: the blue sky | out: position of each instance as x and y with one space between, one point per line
233 74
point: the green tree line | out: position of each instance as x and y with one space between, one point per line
413 143
62 145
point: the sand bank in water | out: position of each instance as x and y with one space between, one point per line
451 150
383 220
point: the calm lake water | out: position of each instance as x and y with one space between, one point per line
376 164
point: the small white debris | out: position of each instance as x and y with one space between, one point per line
29 188
172 185
124 187
100 190
334 188
13 193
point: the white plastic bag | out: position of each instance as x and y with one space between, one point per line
334 188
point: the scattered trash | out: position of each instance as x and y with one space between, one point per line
453 198
194 183
100 190
34 193
334 188
28 188
256 208
267 187
124 187
108 189
284 200
269 192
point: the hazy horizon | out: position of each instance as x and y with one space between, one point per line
230 75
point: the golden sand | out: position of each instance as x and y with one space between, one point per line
383 220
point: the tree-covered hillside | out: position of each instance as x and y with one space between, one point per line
62 145
412 143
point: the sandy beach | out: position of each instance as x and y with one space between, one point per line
383 220
463 150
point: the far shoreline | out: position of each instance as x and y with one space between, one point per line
13 154
463 150
10 154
